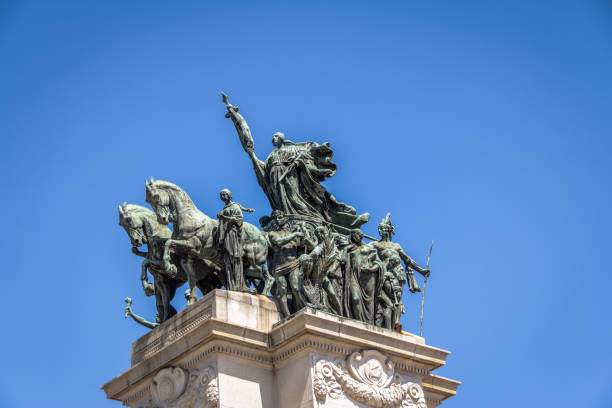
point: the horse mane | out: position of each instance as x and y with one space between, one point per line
166 185
135 209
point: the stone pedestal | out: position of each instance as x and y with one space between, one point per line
230 350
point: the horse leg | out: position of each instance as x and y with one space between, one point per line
171 285
281 292
182 244
159 299
189 269
268 279
148 288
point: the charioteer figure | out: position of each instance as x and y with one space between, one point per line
230 239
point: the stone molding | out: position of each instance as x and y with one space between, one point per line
269 360
136 396
155 345
329 347
210 331
370 379
263 358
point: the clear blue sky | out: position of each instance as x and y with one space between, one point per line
486 126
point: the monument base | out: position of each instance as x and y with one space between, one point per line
230 350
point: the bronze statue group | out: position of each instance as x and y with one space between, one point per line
309 251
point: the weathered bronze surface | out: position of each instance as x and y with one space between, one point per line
311 242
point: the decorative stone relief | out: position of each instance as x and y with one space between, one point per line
370 379
178 388
168 384
371 367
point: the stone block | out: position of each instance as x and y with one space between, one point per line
231 350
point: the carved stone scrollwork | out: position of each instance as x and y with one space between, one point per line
168 384
178 388
370 379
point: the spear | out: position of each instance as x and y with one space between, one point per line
425 287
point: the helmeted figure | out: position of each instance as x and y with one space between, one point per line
386 229
291 176
389 302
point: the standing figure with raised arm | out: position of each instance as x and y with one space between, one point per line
386 229
230 239
292 174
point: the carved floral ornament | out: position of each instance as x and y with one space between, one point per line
369 379
178 388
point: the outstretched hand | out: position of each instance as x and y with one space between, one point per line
149 289
426 273
128 306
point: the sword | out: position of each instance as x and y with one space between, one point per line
425 287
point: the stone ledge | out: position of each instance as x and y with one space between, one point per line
255 312
247 329
441 387
359 335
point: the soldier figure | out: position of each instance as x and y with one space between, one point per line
386 229
390 306
284 264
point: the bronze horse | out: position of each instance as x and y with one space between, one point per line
142 227
194 234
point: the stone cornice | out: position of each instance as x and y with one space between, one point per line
202 332
357 335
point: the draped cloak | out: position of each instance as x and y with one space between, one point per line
291 176
230 237
362 284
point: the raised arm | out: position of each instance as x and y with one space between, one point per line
279 240
244 133
138 319
410 263
138 252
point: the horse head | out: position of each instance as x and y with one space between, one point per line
169 202
159 198
139 223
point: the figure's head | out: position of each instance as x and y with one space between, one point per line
136 221
321 233
225 195
278 138
279 218
386 228
160 201
356 237
264 221
341 240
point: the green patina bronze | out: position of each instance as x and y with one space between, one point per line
311 242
